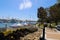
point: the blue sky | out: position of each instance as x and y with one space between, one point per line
23 9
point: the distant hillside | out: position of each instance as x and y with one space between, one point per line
14 21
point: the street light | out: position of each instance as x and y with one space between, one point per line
43 37
45 25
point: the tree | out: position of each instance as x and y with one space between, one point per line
13 21
42 14
58 1
55 12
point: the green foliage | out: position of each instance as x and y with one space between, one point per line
42 14
55 12
58 1
13 21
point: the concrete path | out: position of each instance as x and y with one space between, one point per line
52 34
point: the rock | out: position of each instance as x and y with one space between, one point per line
33 36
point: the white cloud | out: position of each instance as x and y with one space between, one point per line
25 4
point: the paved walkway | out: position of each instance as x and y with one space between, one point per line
52 34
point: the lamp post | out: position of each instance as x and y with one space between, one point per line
43 35
44 32
45 25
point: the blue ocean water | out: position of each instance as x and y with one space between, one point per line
2 25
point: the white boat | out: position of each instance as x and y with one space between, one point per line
25 24
16 25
